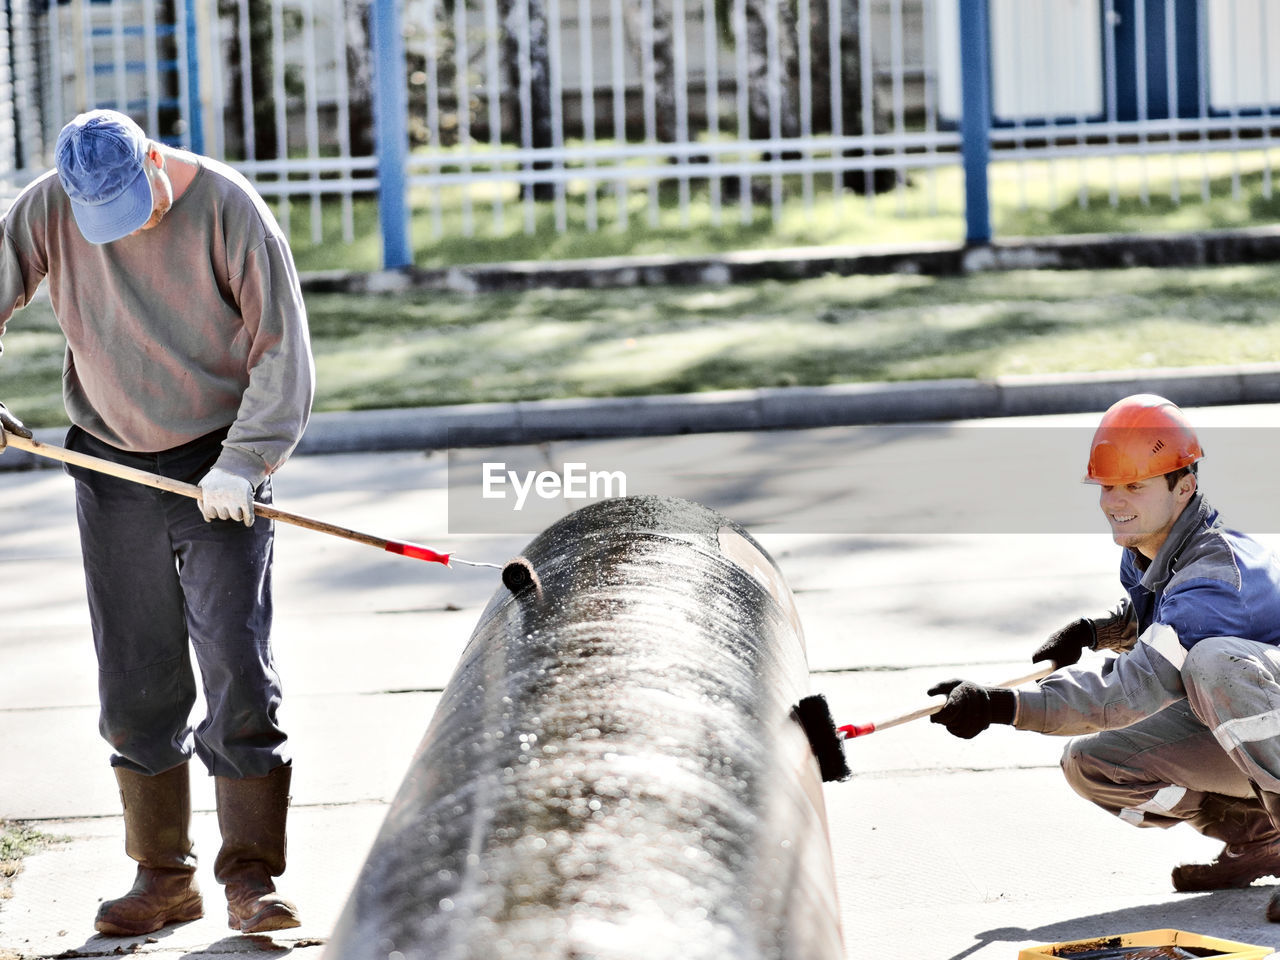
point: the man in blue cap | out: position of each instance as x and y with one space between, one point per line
187 355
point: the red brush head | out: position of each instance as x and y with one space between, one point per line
418 552
851 730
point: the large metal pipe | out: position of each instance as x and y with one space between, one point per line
614 770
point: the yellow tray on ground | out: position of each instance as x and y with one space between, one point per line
1128 946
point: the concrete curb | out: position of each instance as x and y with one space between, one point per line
1075 252
765 408
779 408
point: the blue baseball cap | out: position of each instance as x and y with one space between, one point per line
99 157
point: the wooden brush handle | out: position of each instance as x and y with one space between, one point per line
98 465
1038 674
133 475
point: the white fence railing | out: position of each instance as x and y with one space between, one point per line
604 113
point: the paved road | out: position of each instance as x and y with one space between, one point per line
915 556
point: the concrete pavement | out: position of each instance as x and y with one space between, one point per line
945 849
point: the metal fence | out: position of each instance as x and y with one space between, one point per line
1174 81
488 115
733 96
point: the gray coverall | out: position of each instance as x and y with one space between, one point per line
1193 707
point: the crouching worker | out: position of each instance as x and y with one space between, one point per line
188 356
1184 724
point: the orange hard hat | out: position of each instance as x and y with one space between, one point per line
1140 437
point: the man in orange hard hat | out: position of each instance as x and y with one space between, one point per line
1184 724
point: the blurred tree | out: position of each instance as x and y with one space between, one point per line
659 53
357 39
246 28
846 71
528 19
253 19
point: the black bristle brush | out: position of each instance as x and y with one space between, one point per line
827 739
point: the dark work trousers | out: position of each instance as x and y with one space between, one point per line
163 581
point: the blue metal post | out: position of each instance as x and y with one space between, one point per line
975 120
391 135
195 112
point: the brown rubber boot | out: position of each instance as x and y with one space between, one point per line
1251 845
1271 802
157 820
251 815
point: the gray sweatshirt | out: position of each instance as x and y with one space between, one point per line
175 332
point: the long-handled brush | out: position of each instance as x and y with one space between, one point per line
121 472
827 739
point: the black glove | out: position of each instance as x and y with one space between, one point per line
11 424
1065 646
971 708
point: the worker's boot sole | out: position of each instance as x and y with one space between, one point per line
125 926
1232 870
278 914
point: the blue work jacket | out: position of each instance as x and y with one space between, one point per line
1205 581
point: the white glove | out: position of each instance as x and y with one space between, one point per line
225 496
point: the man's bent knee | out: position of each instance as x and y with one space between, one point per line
1080 766
1211 660
1227 678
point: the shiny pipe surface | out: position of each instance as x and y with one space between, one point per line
614 770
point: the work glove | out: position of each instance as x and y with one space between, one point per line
1065 645
225 496
11 424
971 708
1115 631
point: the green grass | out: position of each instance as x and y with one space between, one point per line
17 840
821 331
1032 198
439 348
